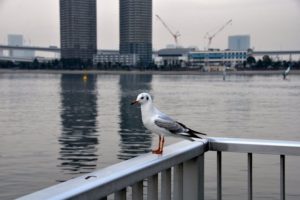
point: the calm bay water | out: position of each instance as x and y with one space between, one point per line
54 127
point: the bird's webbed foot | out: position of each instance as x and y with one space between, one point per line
157 151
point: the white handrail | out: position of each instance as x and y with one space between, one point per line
187 159
106 181
242 145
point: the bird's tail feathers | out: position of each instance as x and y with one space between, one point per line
195 132
191 131
190 136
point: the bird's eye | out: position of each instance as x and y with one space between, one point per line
147 98
142 97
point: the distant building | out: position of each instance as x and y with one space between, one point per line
78 31
136 29
211 59
239 42
1 52
17 40
110 59
173 56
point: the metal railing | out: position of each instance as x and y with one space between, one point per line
250 146
177 174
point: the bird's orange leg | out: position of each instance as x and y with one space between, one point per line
157 151
161 146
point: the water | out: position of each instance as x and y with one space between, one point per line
57 126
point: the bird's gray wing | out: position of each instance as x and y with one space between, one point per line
170 125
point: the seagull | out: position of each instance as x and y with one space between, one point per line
161 124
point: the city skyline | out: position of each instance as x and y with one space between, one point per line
272 24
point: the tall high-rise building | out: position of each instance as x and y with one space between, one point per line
78 29
136 29
239 42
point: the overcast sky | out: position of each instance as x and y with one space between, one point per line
272 24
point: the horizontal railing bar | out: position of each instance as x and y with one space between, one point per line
116 177
274 147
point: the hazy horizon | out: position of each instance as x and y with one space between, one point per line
272 24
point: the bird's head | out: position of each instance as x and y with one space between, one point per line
142 98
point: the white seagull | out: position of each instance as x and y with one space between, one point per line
161 124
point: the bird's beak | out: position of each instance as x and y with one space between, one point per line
134 102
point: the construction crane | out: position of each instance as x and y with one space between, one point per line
210 37
174 35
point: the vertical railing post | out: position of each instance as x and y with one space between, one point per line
178 182
282 177
166 184
121 195
201 177
152 189
250 177
137 191
193 178
219 175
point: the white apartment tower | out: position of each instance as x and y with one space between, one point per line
239 42
18 40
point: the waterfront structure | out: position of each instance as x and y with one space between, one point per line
136 29
18 41
173 56
78 29
239 42
211 60
116 59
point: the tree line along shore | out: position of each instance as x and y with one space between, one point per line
264 64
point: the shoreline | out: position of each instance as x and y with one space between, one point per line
153 72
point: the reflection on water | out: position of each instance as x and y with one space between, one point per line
58 120
78 152
135 140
